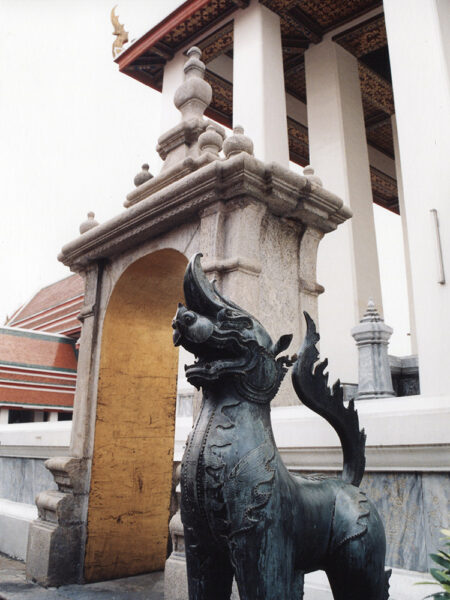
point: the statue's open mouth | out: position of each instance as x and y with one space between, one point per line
213 366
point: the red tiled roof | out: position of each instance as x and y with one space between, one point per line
30 348
36 369
54 308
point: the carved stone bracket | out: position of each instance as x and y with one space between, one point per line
55 539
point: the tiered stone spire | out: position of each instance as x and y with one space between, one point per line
195 141
194 95
372 337
192 98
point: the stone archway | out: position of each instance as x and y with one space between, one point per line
131 476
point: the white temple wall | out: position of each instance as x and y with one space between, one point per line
172 79
258 91
223 66
405 237
348 261
381 161
418 32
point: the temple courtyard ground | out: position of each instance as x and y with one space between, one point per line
14 586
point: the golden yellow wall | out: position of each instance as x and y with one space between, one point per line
134 433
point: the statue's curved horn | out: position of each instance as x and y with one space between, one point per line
199 292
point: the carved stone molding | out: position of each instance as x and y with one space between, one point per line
285 194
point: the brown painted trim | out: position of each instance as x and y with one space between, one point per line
150 38
380 149
218 116
144 78
309 26
351 18
377 121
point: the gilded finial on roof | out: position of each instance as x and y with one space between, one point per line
119 32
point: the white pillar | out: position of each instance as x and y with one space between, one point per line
401 203
4 416
419 46
347 261
172 79
259 99
53 416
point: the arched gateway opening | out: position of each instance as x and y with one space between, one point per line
131 476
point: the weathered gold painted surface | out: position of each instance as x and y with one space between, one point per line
134 434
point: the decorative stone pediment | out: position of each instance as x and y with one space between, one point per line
285 194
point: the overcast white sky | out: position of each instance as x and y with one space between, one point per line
74 132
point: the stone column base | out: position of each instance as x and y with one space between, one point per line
53 553
56 538
175 577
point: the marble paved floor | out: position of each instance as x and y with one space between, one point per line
14 586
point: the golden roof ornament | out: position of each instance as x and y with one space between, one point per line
119 32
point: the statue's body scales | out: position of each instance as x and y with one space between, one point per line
244 514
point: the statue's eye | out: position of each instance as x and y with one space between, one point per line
189 318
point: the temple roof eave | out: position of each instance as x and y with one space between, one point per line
358 27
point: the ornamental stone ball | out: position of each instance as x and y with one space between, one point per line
143 176
237 142
244 514
210 141
308 172
89 223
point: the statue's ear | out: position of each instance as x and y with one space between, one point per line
282 344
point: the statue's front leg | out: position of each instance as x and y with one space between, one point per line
264 565
210 575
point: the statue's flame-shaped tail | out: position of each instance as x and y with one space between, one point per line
311 385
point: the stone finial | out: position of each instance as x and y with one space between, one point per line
210 141
90 223
194 94
143 175
238 142
371 315
308 172
372 337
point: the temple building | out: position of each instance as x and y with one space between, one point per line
38 355
331 84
